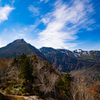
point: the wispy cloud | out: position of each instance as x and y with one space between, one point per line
4 12
13 29
64 22
13 1
44 1
34 10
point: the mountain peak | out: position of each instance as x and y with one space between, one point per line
78 50
19 41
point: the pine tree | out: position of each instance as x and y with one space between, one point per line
26 70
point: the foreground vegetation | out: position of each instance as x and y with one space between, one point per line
32 76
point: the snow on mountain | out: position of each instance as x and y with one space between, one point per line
79 52
63 51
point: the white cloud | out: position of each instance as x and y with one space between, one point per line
4 12
34 10
64 22
45 21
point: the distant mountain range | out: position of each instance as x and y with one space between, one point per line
62 59
85 55
66 60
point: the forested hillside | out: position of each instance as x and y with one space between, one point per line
32 76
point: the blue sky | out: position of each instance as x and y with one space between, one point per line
69 24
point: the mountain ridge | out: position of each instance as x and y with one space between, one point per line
62 59
65 60
78 53
18 47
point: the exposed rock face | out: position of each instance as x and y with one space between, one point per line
31 98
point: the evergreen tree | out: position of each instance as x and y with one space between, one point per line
26 70
21 59
64 84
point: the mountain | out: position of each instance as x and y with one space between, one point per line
88 55
64 60
78 53
18 47
85 55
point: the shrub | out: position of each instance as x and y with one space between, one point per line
7 91
27 94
